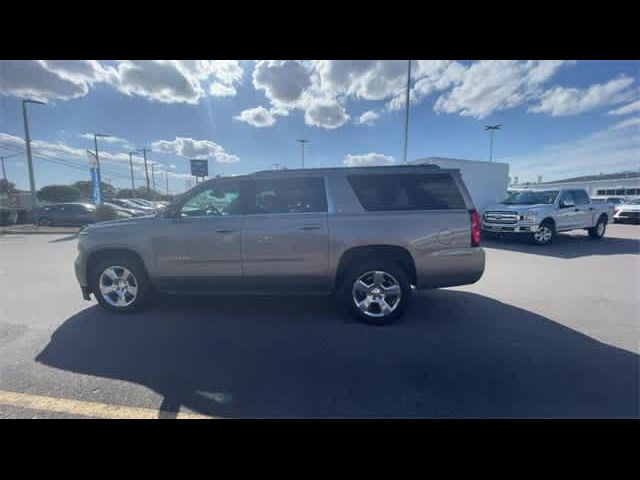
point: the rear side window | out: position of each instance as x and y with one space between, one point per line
289 195
407 192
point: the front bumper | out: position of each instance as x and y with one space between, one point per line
510 227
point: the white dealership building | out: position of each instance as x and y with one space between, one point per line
606 184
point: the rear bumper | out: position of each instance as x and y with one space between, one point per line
450 268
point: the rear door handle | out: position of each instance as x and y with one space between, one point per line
225 230
311 227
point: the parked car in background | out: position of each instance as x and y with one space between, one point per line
368 234
628 212
131 205
142 204
130 212
8 216
65 214
612 200
540 214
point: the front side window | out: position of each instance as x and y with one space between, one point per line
218 199
566 198
289 195
580 197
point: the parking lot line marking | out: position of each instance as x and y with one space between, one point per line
88 409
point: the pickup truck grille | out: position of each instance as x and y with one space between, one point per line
500 217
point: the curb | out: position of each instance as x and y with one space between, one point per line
37 231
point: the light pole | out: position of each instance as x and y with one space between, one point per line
302 143
492 129
406 114
4 172
27 139
133 186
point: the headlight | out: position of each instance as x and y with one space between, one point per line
529 217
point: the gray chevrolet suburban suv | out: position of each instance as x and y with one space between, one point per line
369 234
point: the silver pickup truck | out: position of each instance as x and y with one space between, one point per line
541 214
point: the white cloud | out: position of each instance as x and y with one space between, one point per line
325 113
630 122
258 117
111 139
368 159
283 81
633 107
178 81
571 101
218 89
610 150
488 86
51 79
191 148
368 118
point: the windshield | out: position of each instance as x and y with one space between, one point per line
530 197
635 202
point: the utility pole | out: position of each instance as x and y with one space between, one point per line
146 169
133 186
492 129
27 140
406 115
166 179
302 143
2 159
153 176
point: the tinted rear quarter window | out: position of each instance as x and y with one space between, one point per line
407 192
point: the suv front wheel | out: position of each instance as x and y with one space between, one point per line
376 292
120 284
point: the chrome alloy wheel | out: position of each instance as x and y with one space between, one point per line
118 286
376 293
543 234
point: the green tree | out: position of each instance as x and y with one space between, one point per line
85 187
59 193
6 186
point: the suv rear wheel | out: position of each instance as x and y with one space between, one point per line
120 284
376 292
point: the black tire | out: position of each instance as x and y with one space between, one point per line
45 222
544 235
143 285
599 230
394 272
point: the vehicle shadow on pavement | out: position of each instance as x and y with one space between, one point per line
455 354
567 245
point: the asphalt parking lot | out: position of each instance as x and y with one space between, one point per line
548 332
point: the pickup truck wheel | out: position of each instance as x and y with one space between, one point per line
376 292
544 234
120 284
598 231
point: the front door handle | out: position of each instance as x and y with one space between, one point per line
310 227
225 230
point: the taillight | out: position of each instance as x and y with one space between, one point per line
475 228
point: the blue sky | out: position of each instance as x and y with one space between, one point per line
561 118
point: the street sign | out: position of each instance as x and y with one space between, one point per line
200 168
